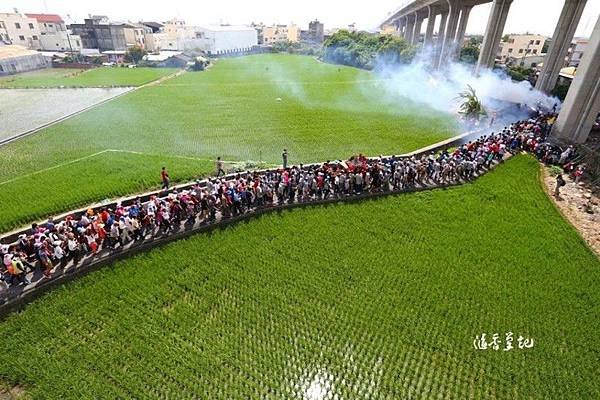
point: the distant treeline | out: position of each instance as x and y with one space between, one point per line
367 50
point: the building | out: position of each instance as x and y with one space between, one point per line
158 37
221 39
48 23
15 59
54 35
4 39
566 75
518 46
527 61
98 33
389 30
156 27
171 35
576 51
316 32
259 27
135 34
18 29
278 33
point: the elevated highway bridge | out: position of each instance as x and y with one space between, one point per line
582 104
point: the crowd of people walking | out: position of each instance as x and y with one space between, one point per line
50 247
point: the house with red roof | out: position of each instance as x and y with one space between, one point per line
48 23
53 33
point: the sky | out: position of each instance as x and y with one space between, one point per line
534 16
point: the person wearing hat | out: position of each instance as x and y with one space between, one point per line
16 270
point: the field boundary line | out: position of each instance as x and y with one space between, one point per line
130 89
111 151
54 167
173 156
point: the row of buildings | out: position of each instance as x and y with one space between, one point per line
270 34
48 32
529 50
22 35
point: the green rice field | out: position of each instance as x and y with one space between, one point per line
143 174
380 299
241 109
96 77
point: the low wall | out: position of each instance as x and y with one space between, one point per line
75 65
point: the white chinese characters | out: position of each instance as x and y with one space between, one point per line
483 342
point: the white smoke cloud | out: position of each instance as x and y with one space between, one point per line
439 89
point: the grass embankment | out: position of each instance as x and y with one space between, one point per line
380 299
231 110
96 77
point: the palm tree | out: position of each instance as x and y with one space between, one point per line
471 108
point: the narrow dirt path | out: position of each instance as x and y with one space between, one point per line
574 203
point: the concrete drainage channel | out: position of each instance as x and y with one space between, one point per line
16 297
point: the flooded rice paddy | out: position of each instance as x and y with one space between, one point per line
22 110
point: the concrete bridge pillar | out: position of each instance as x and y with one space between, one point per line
417 30
462 28
398 26
449 35
403 27
410 27
582 105
439 44
431 16
493 34
561 40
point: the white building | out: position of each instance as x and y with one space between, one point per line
519 46
19 29
14 59
279 33
54 35
60 41
222 39
576 51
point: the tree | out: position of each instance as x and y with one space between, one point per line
198 66
471 107
475 40
505 38
560 91
135 54
469 54
366 50
519 73
546 46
